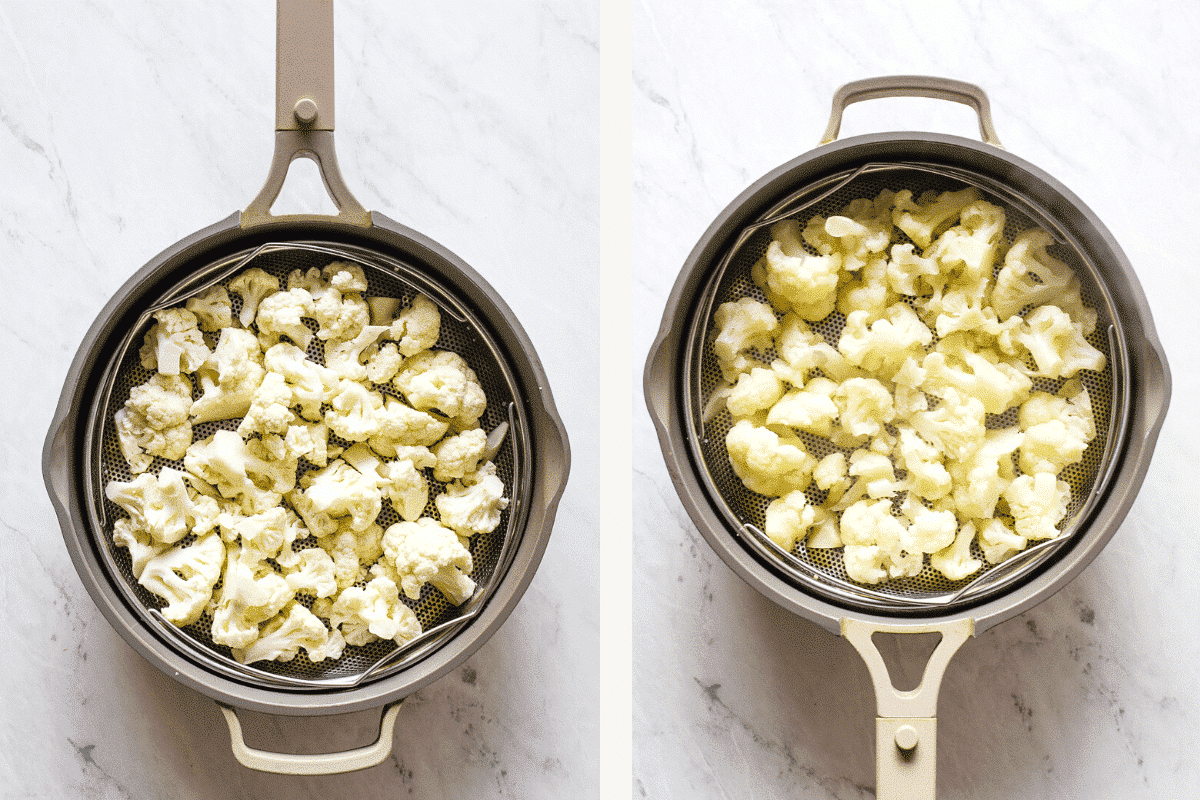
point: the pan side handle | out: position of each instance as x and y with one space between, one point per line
906 721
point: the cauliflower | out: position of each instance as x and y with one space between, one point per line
309 441
907 272
927 475
352 411
981 477
282 637
127 534
874 471
241 470
884 346
252 286
459 455
229 377
808 282
184 576
742 326
174 344
406 489
755 391
1057 429
998 542
340 490
251 593
375 611
417 327
212 308
1057 343
352 553
766 462
956 426
928 531
789 519
473 504
338 307
927 217
383 362
155 421
344 356
873 540
956 561
868 292
163 507
441 380
311 383
427 552
282 314
399 425
312 573
864 406
270 409
1038 503
809 409
975 372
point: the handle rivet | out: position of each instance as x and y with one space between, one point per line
306 111
906 738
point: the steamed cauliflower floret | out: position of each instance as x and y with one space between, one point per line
907 273
864 406
417 327
956 561
868 292
252 286
185 577
742 326
755 391
399 426
928 531
925 218
1032 277
998 542
873 540
956 426
808 282
427 552
282 314
981 477
375 611
766 462
440 380
382 362
459 455
406 489
1057 429
809 409
309 441
887 343
473 504
927 474
213 309
977 372
229 377
1037 503
155 421
338 306
282 637
874 471
174 344
789 519
163 507
1057 344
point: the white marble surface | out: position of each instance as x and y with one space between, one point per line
126 126
1093 693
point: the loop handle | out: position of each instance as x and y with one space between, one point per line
913 86
320 764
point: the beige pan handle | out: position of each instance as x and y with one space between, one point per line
319 764
304 112
906 721
913 86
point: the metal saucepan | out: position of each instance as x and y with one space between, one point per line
1130 400
80 455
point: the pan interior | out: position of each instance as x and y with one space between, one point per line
461 332
821 571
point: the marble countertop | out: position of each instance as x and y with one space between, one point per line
1091 694
127 126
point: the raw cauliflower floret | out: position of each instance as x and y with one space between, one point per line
340 490
417 327
155 421
441 380
742 326
789 519
766 462
174 344
459 455
755 391
312 573
345 356
864 406
400 480
375 611
270 409
185 577
251 593
229 377
213 309
142 548
309 441
338 306
923 219
282 314
1057 344
1037 503
425 551
352 411
382 362
886 344
399 426
807 282
956 561
241 470
352 552
473 504
281 638
311 383
998 542
252 286
163 507
809 409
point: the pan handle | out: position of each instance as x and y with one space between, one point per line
319 764
906 722
304 112
913 86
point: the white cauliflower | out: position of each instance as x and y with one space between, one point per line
352 553
977 372
142 548
311 383
383 361
270 409
174 344
766 462
1037 503
887 343
473 504
309 441
998 541
873 540
155 421
281 638
864 406
441 380
928 530
375 611
808 282
241 470
927 474
809 409
789 519
213 309
908 273
1057 429
313 573
340 490
344 356
252 286
923 219
251 593
417 327
459 455
338 306
399 425
425 551
742 326
983 475
229 377
184 576
956 561
163 507
352 411
282 314
1057 344
755 391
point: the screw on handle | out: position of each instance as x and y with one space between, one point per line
912 86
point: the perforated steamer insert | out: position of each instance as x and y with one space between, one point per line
82 454
1129 399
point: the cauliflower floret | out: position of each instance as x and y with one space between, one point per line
345 356
401 426
383 362
907 272
251 593
427 552
981 477
927 217
406 489
163 507
174 344
340 490
874 471
864 406
352 412
313 573
756 390
459 455
241 470
185 577
309 441
265 532
270 409
282 637
789 519
868 292
927 475
311 384
417 327
766 462
352 552
1057 429
1057 343
1038 503
742 326
977 372
474 504
809 409
282 314
229 377
441 380
375 611
252 286
213 309
928 531
338 307
808 282
998 542
873 539
884 346
127 534
1032 277
956 561
154 421
956 426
